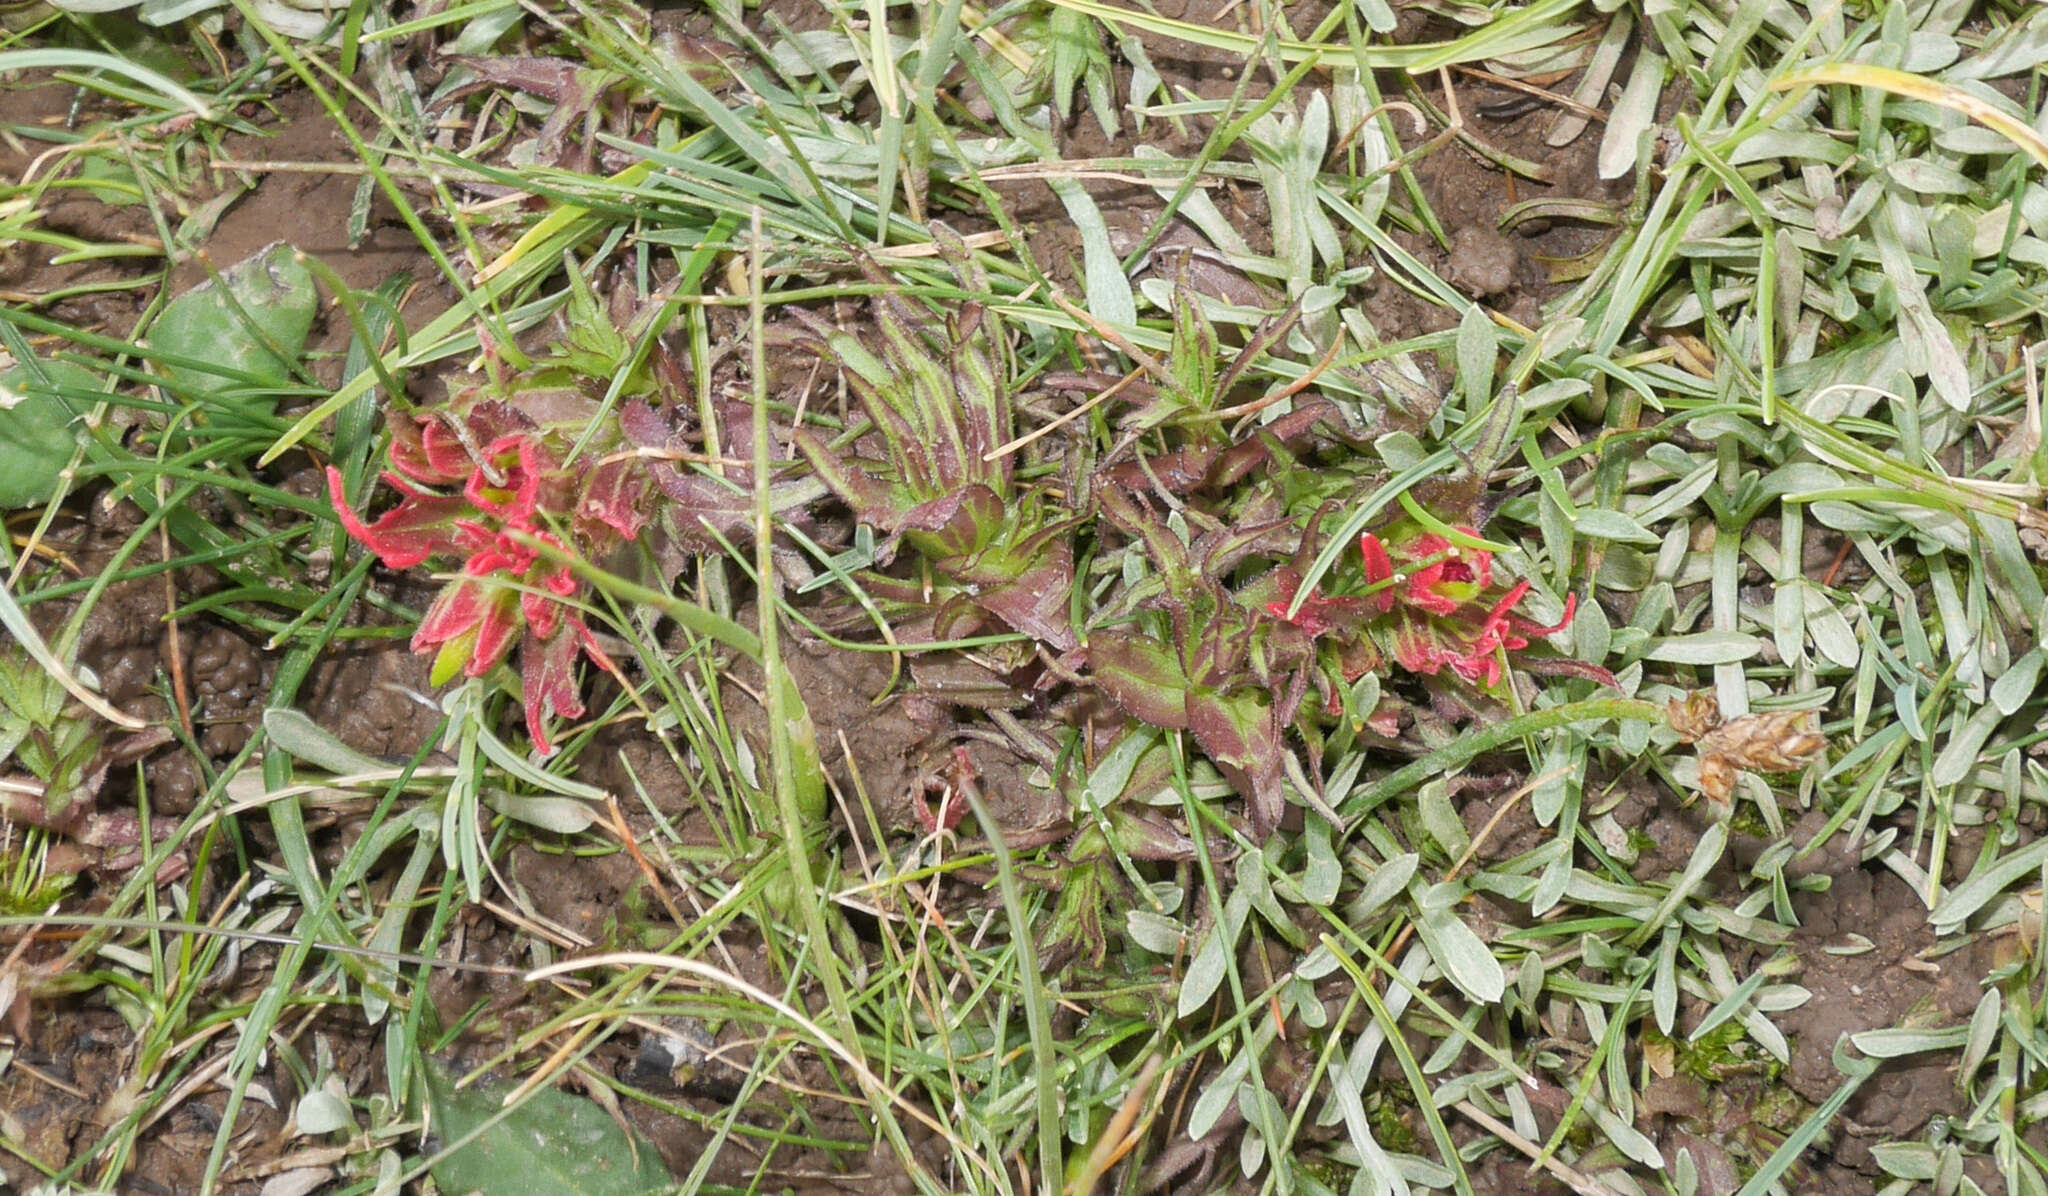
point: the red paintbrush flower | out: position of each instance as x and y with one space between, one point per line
511 487
1433 597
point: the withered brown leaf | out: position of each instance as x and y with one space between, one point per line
1781 741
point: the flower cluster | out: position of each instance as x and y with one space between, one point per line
484 487
1428 609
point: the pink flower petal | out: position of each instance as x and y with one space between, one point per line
408 534
495 632
517 501
1480 668
459 607
1379 569
427 451
548 673
1499 627
543 614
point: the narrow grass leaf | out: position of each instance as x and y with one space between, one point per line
91 60
1928 90
1897 1042
1973 894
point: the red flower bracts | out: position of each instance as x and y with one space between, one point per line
1427 610
511 489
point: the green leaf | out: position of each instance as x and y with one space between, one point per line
295 733
1478 348
1604 524
1461 953
1892 1043
36 441
1970 896
551 1144
1211 962
252 323
1705 647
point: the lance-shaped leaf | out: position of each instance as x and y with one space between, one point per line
1206 678
1242 733
936 394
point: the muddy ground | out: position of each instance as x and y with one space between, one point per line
72 1053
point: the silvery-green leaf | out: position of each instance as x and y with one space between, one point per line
322 1112
1155 933
1324 872
1318 963
1109 291
1970 896
1984 1026
300 736
1198 209
1829 629
1894 1043
169 12
1592 89
562 815
1788 623
1390 881
1627 1138
2019 47
1592 633
522 769
1959 755
2016 684
1462 954
1606 524
1440 819
1632 116
1705 648
1205 972
1906 1160
1219 1095
1478 351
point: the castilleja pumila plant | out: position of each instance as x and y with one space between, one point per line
483 484
1428 603
932 473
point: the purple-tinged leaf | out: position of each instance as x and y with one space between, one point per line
1241 733
1145 835
1038 603
1140 676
